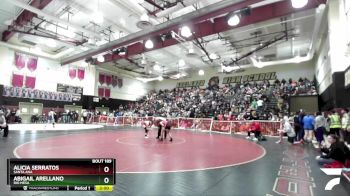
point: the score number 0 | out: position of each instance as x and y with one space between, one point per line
106 179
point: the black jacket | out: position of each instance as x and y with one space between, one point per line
337 151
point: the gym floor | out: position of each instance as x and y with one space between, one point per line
193 164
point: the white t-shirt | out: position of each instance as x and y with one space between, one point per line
287 128
260 102
320 121
51 115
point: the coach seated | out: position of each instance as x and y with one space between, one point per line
3 124
337 152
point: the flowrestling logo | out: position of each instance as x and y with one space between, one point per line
333 172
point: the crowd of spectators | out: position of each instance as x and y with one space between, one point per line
11 115
261 100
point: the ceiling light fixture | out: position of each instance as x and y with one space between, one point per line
149 44
182 63
140 1
156 67
186 31
144 17
299 3
160 78
201 72
101 58
233 20
213 56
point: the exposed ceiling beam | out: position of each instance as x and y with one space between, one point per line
25 17
154 4
201 14
206 28
39 12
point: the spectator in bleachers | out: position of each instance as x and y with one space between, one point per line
260 104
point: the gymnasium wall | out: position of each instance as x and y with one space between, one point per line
323 68
286 71
48 73
334 58
131 90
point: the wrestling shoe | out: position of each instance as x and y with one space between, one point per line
248 138
255 139
171 139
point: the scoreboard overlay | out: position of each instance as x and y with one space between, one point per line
96 174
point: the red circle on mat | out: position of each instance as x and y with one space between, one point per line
135 154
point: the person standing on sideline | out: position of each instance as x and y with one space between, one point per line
309 122
85 116
320 128
3 124
297 126
335 124
51 118
345 122
302 131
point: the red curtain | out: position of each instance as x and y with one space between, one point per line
107 92
108 80
101 92
72 73
17 80
32 63
114 81
81 74
120 82
30 82
20 60
102 78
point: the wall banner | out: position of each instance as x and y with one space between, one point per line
196 83
29 93
250 78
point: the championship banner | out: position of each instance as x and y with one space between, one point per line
250 78
29 93
196 83
69 89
